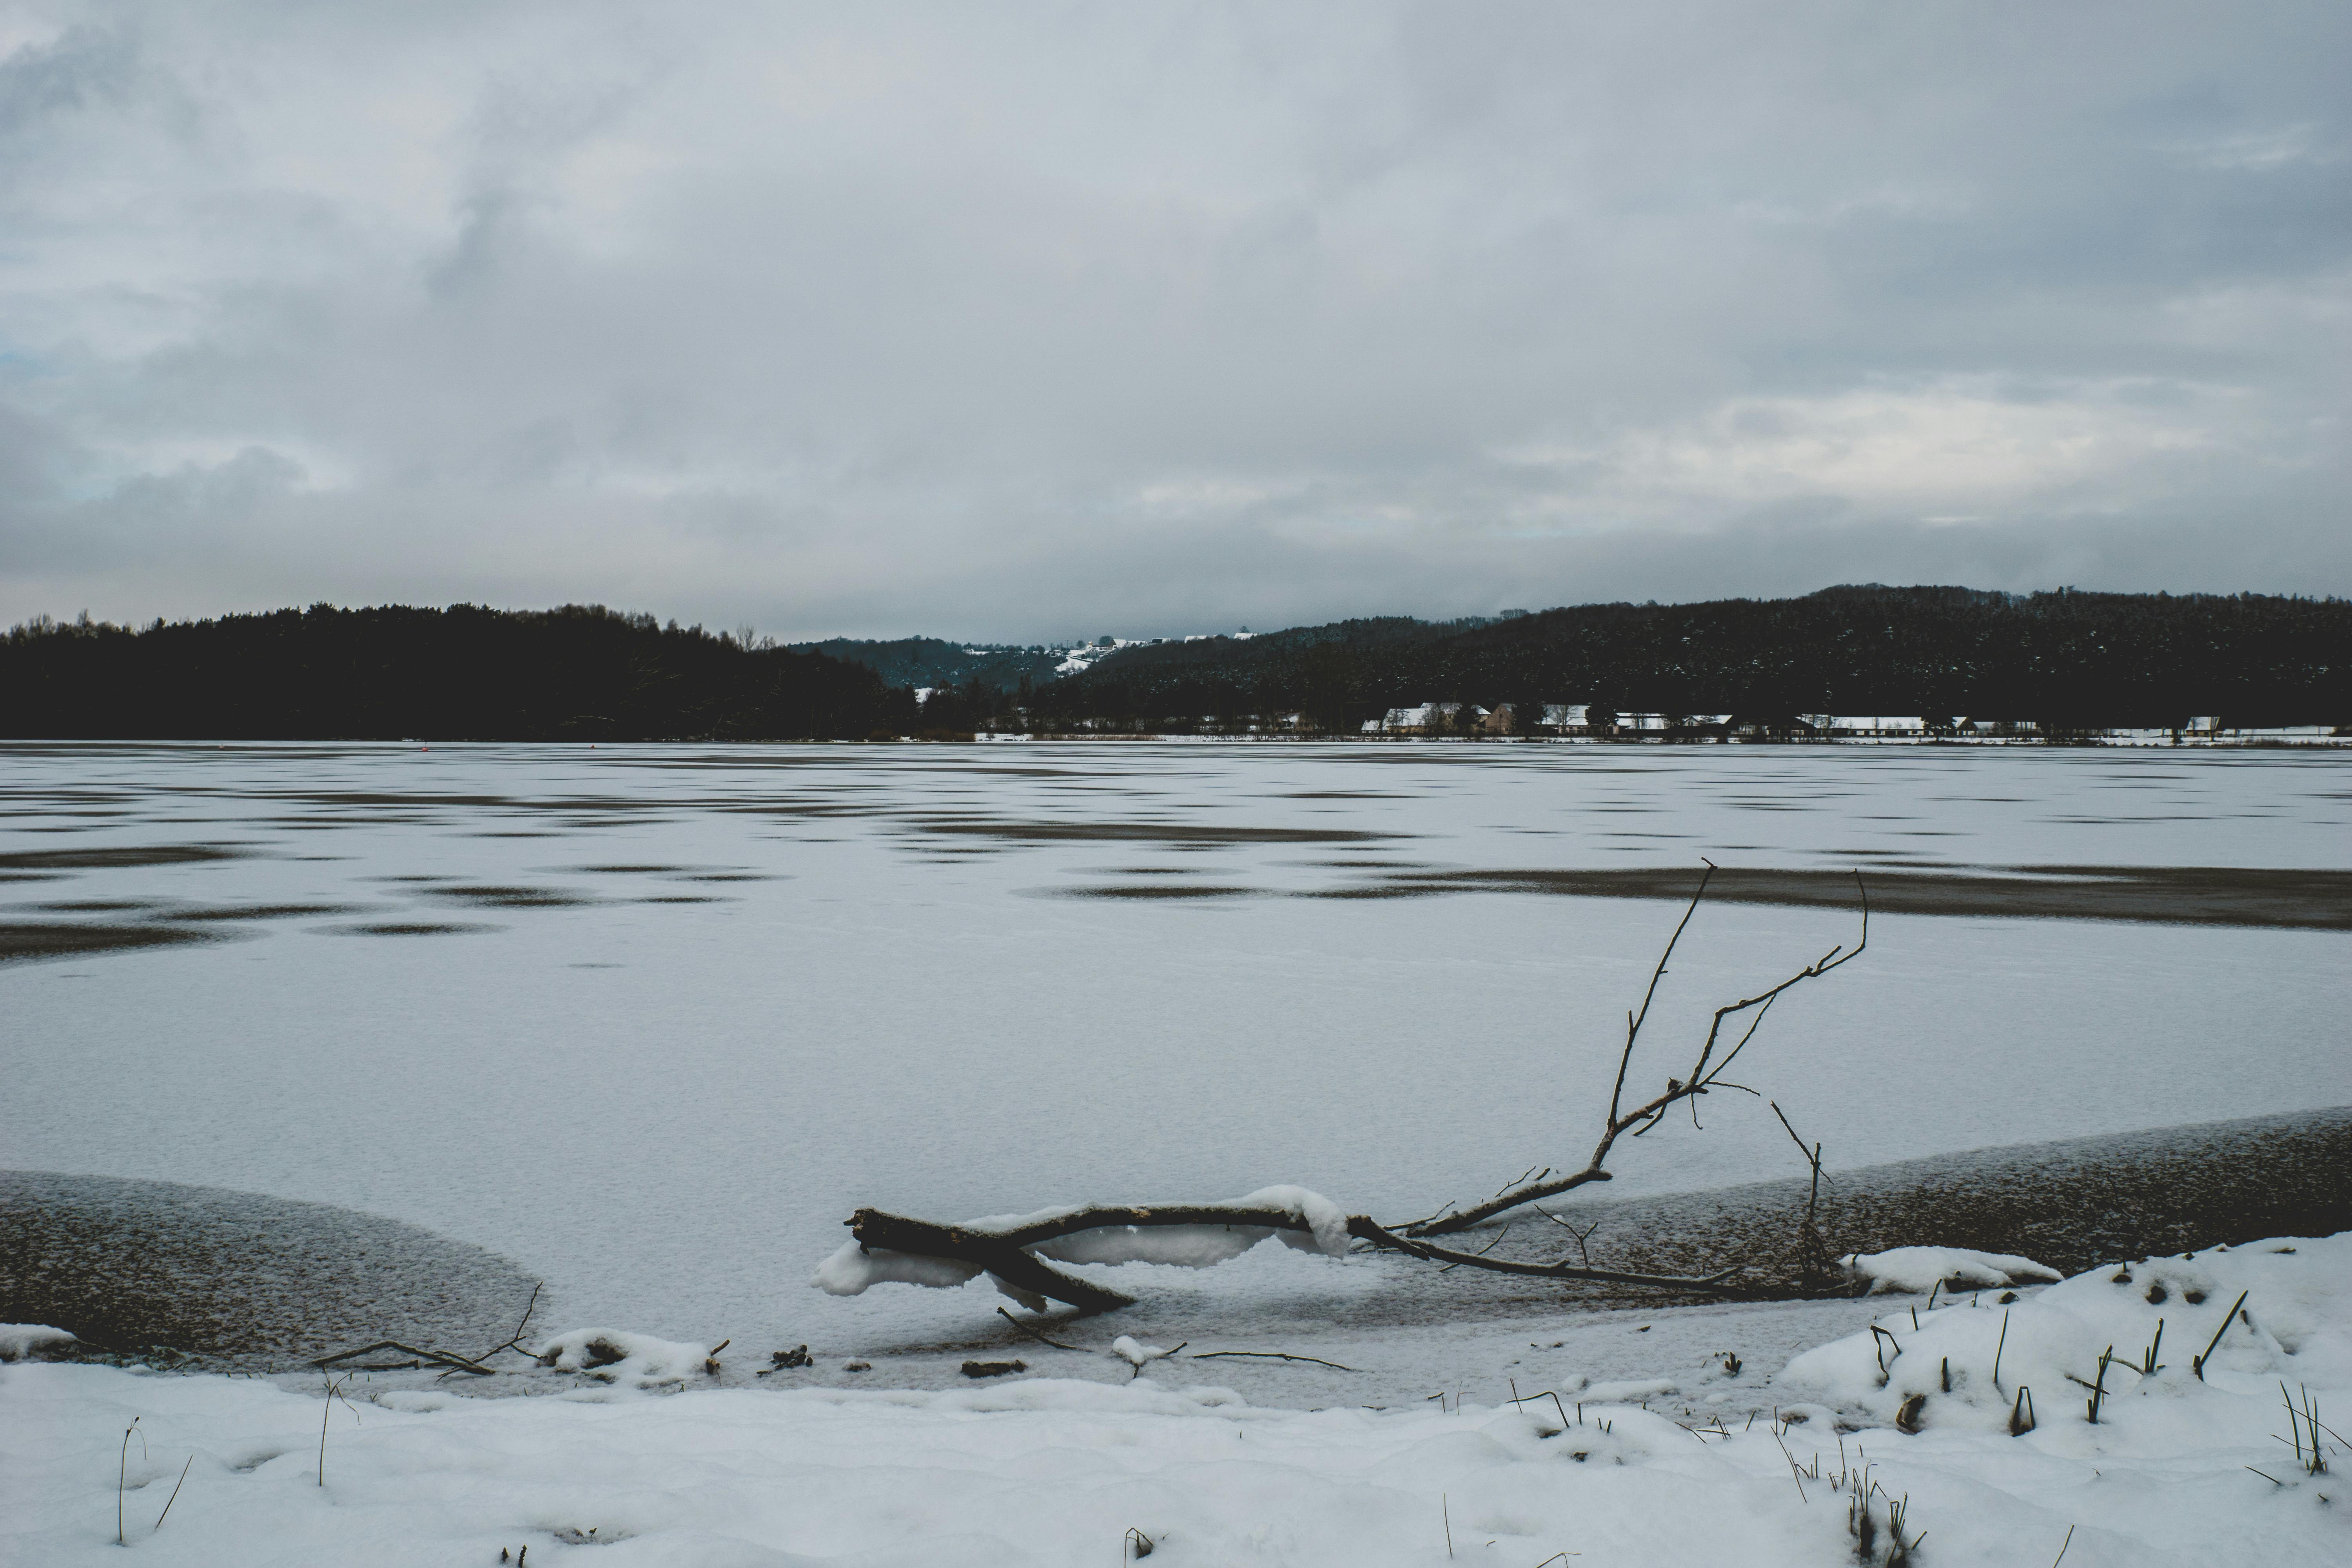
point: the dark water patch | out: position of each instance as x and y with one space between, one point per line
1180 834
237 1279
260 911
2072 1204
687 899
66 939
102 906
7 876
510 898
2229 896
410 928
738 877
628 870
1158 890
121 854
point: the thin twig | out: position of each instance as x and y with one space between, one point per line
122 1474
1035 1336
1486 1250
175 1495
514 1341
449 1359
1269 1355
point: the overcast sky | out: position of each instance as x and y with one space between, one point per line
1022 321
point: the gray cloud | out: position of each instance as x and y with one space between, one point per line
1023 320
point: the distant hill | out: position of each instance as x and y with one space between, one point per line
2063 658
578 673
930 661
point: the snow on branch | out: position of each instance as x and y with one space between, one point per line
895 1248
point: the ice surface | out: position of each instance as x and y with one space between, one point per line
1922 1269
666 1108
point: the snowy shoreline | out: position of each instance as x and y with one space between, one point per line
1915 1404
252 1283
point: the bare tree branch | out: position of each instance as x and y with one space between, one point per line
1706 1074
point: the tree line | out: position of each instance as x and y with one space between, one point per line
2062 659
465 673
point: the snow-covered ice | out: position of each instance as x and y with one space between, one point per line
653 1021
1053 1470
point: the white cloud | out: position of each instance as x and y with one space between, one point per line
992 319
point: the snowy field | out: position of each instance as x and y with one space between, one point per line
652 1021
1955 1431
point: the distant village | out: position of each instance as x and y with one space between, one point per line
1587 722
1579 720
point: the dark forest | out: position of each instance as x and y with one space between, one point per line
2065 661
578 673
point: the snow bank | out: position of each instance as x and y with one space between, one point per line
1966 1363
609 1355
18 1341
1919 1269
853 1269
1035 1472
1044 1471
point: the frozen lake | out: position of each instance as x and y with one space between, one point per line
651 1021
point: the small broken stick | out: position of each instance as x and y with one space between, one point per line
993 1368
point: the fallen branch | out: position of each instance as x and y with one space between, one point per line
999 1255
439 1358
1705 1072
1359 1226
471 1365
999 1252
1270 1355
897 1246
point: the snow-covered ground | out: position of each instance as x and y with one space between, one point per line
2188 1461
906 987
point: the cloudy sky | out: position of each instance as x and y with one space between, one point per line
1019 321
